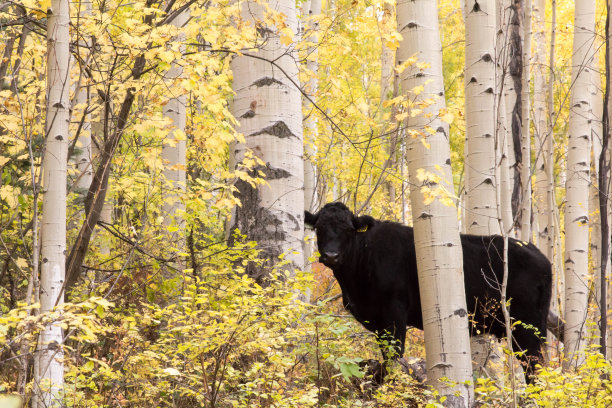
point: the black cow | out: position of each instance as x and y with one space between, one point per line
375 265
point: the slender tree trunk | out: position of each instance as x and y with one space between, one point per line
389 87
174 149
604 184
525 130
553 219
311 11
81 117
49 380
541 133
503 129
595 218
437 243
513 102
480 23
268 106
577 185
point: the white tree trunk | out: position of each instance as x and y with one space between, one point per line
268 106
174 147
525 131
310 10
49 378
437 242
577 185
553 251
97 131
82 157
503 131
480 102
542 136
387 57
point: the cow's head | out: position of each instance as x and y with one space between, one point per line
336 227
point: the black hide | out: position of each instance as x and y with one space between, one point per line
375 265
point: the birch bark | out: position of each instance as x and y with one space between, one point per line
542 136
83 154
437 243
268 107
49 378
174 147
503 131
480 68
311 11
577 185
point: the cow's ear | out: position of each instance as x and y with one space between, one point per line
310 219
363 222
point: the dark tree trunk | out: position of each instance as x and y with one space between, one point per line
604 171
516 73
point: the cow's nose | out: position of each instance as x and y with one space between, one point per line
331 257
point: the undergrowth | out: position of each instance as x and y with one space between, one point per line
218 339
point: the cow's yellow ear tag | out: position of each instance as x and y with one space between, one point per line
363 229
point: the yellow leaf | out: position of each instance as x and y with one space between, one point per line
427 145
22 263
410 61
421 175
447 117
286 37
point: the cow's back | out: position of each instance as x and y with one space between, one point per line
529 282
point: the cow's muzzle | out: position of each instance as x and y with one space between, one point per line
330 258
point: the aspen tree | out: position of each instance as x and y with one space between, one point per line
577 185
175 145
595 217
504 131
480 22
553 217
49 367
542 136
389 85
525 130
437 243
512 95
310 13
268 107
603 275
82 157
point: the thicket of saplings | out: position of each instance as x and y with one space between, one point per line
214 337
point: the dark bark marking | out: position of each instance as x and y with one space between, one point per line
275 173
278 129
248 114
258 224
267 81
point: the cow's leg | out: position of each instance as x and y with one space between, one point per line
391 342
527 341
